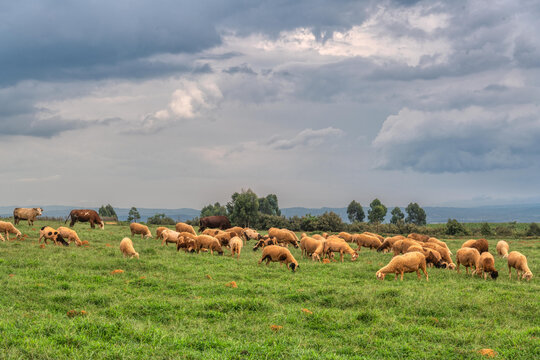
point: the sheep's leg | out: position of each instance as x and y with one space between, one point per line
401 275
395 277
425 273
509 272
7 235
341 256
418 274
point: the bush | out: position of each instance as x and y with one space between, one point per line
534 230
330 221
454 227
265 222
485 229
160 219
309 223
504 230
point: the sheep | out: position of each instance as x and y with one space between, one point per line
137 228
252 234
211 232
208 242
487 265
445 253
237 231
439 242
236 244
186 241
69 234
333 245
409 262
277 253
381 238
170 236
318 237
264 242
432 256
312 247
518 261
284 236
468 257
183 227
388 242
2 238
127 249
7 228
418 237
159 230
365 240
481 245
346 236
502 248
48 233
225 237
401 246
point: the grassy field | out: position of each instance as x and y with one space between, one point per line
175 305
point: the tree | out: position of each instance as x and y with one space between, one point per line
330 221
415 214
160 219
107 211
211 210
243 209
454 227
377 212
269 205
485 229
355 212
534 230
397 216
133 214
309 222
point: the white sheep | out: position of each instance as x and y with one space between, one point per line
518 261
406 263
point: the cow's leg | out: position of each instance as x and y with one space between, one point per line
92 224
72 222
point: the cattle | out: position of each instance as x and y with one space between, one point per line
29 214
215 222
85 215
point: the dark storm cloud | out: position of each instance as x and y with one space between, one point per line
240 69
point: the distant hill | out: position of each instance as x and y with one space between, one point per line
504 213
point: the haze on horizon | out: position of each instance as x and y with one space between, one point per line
176 104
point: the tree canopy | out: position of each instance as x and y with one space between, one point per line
415 214
377 212
355 212
107 211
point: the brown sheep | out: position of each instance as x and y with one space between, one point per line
468 257
439 242
252 234
445 253
388 242
276 253
7 228
137 228
481 245
48 233
236 245
333 245
432 256
237 231
318 237
183 227
312 247
346 236
381 238
502 248
127 249
159 230
518 261
69 234
170 236
401 246
487 265
208 242
2 238
264 242
283 236
186 241
211 232
224 237
365 240
406 263
418 237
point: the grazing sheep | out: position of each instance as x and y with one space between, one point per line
284 236
318 237
481 245
137 228
518 261
159 230
252 234
468 257
334 245
365 240
211 232
186 241
388 242
127 249
208 242
2 238
502 248
69 234
29 214
432 256
183 227
236 244
276 253
401 246
237 231
418 237
312 247
406 263
264 242
346 236
381 238
225 237
170 236
445 253
7 228
487 265
439 242
48 233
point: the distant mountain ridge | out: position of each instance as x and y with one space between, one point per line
435 214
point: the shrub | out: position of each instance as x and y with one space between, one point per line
330 221
454 227
160 219
504 230
534 230
485 229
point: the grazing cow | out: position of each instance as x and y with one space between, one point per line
214 222
85 215
29 214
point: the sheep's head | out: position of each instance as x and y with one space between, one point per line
293 266
295 244
494 274
137 255
354 256
527 276
380 275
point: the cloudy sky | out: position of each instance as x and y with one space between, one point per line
181 103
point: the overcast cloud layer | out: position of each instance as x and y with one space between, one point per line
179 104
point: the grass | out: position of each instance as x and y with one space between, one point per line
176 305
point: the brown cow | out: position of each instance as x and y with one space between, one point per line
215 222
29 214
85 215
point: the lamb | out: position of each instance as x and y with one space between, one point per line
445 253
126 247
283 236
388 242
264 242
7 228
208 242
276 253
365 240
468 257
236 246
409 262
183 227
252 234
137 228
518 261
418 237
312 247
333 245
69 234
432 256
481 245
48 233
170 236
401 246
502 248
346 236
487 265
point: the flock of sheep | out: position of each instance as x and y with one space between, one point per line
411 254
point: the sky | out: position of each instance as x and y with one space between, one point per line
175 104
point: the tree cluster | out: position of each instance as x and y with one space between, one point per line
107 211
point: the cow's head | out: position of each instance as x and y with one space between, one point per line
102 226
38 210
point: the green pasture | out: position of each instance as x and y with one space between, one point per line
173 305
